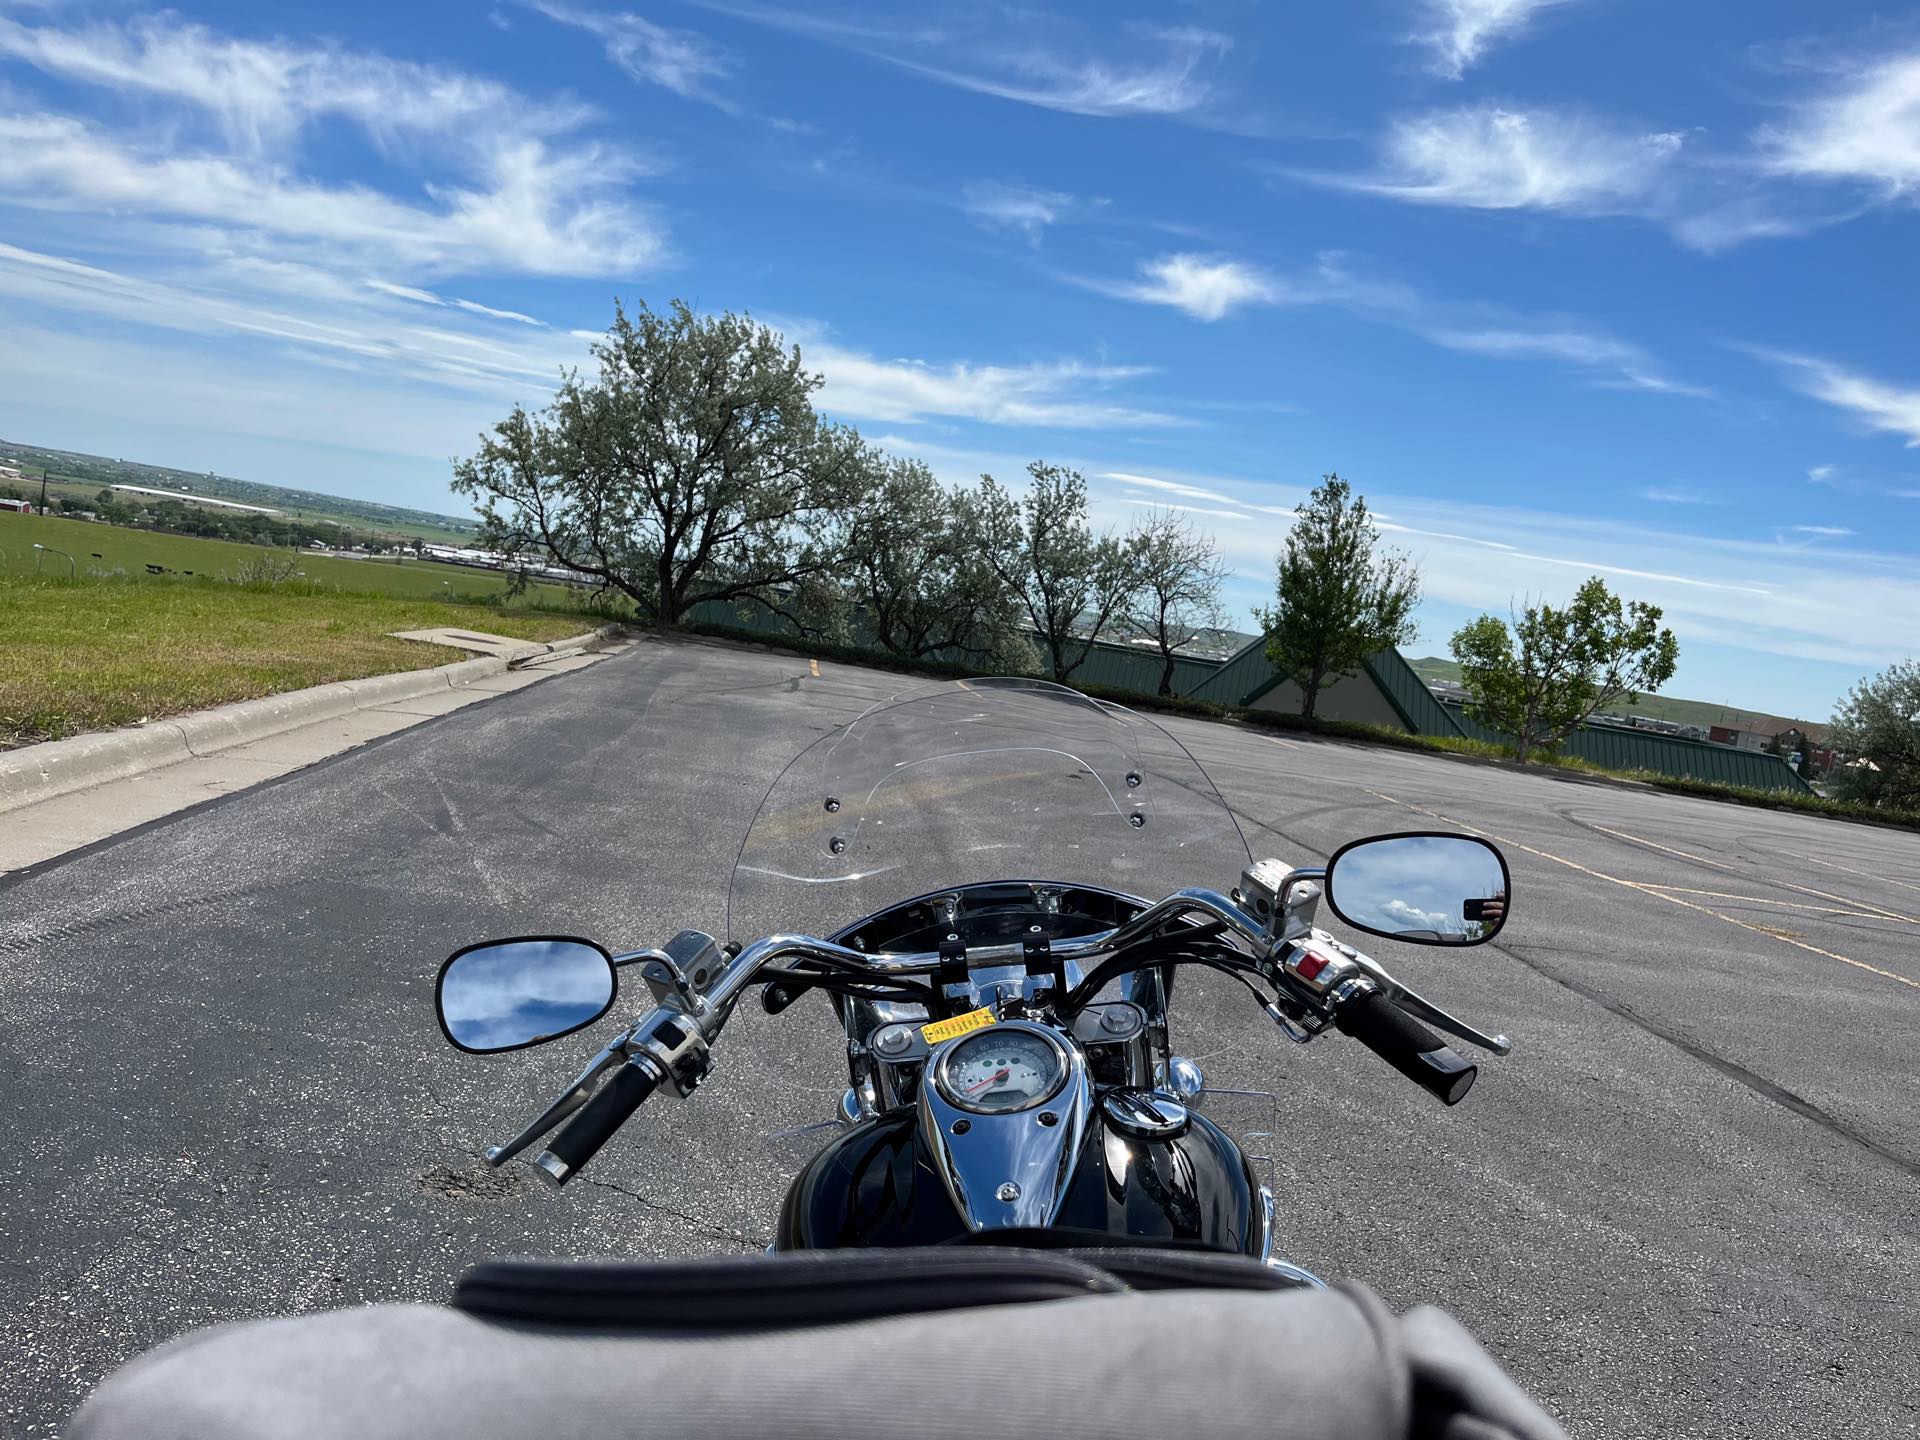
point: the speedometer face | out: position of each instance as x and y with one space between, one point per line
1001 1069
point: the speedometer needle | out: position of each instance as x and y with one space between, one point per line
990 1080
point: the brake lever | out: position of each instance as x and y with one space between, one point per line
572 1099
1424 1009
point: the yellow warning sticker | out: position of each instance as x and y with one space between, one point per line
959 1025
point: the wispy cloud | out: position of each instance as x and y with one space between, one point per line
1680 495
511 184
1864 129
1827 531
262 94
474 307
1206 287
1058 394
683 61
1879 405
1173 487
1459 32
1493 157
427 297
375 329
1820 474
1209 287
1632 368
1132 69
1173 80
1025 209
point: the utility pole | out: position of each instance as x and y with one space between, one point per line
43 489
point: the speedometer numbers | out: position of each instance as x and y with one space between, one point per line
1000 1070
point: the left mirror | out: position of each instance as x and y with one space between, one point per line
504 994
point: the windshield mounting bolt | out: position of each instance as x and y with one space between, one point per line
1115 1020
887 1042
1136 819
1133 780
1008 1192
836 845
833 806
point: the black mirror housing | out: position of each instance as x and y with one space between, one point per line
1423 887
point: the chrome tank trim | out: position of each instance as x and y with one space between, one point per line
1268 1216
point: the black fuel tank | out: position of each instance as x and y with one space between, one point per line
875 1185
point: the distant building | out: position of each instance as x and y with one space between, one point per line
17 507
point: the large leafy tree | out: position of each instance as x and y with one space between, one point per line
1541 679
1339 596
1178 572
1876 730
691 468
1071 582
916 567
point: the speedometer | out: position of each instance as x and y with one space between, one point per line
1001 1069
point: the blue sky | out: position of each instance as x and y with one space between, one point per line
1563 286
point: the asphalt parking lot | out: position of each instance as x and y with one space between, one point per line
1688 1203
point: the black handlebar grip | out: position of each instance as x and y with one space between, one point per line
1408 1046
581 1138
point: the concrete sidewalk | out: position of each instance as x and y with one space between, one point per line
135 788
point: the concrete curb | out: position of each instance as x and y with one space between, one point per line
59 767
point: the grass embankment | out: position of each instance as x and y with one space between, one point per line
1365 734
93 654
119 644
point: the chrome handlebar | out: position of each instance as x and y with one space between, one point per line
1277 945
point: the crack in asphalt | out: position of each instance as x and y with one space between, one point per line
706 1227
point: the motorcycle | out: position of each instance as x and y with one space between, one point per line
1011 1072
1012 1090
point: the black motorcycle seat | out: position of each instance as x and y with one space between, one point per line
1077 1352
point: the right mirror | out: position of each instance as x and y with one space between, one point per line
1424 888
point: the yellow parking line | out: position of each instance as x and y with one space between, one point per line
1880 910
1653 891
813 668
1863 874
1763 900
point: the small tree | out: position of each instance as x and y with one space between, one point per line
1071 582
1339 598
692 469
1876 731
1569 663
1179 573
915 564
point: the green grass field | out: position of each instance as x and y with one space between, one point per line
104 550
118 645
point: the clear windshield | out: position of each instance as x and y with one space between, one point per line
971 782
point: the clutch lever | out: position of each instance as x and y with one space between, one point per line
572 1099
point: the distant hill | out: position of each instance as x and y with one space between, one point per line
1657 707
75 471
